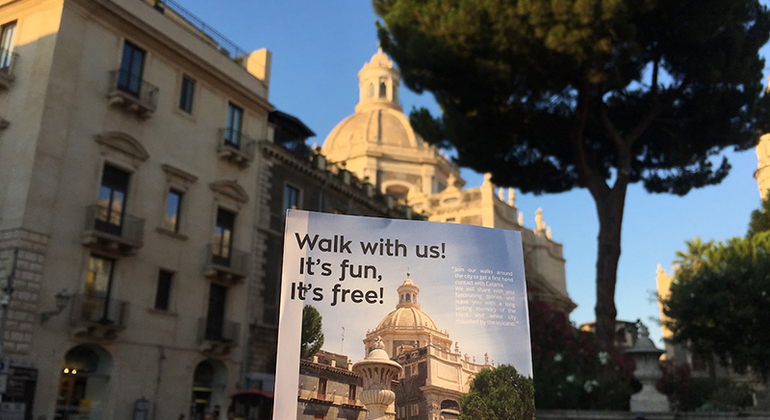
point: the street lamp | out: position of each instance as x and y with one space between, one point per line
62 299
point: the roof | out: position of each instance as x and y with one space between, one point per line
290 123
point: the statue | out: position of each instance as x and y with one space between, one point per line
486 358
521 218
467 358
548 232
539 224
457 347
378 343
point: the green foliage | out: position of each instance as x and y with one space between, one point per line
694 256
570 370
723 307
499 394
702 394
512 72
549 95
312 334
760 219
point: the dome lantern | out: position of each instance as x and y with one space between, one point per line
378 82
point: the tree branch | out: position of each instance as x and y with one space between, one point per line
594 182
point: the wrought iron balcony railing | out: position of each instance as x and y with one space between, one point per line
131 92
8 61
233 145
95 311
112 225
224 332
226 262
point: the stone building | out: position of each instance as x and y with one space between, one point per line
435 375
378 144
329 389
128 184
293 176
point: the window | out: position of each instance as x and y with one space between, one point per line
450 220
234 123
173 211
383 88
7 34
352 394
322 388
98 287
401 411
131 66
223 237
291 199
414 409
163 294
186 94
112 200
215 319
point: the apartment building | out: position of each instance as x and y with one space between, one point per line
128 199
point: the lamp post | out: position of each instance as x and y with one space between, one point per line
62 298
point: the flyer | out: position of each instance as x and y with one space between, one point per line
438 301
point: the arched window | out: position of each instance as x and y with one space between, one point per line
383 88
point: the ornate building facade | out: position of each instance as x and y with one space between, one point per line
435 375
378 145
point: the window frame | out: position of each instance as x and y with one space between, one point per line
187 94
166 276
216 314
93 296
178 213
234 125
291 191
110 184
7 45
125 83
222 252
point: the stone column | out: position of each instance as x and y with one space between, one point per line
377 371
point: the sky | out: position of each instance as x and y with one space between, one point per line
318 48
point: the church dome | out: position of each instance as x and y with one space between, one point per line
383 126
379 119
407 313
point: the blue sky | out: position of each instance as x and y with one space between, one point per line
318 49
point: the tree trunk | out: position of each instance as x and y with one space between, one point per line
610 211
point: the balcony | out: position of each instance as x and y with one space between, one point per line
216 337
228 265
234 146
112 230
132 94
8 61
98 318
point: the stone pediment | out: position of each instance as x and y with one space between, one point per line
116 142
229 191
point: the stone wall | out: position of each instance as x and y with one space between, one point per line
23 310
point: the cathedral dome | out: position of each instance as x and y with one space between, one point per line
384 126
407 317
407 313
